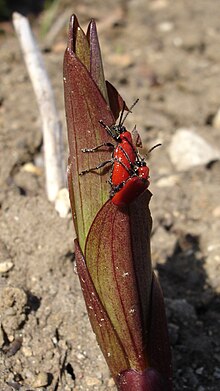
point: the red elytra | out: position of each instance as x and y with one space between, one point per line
130 174
124 153
124 156
132 188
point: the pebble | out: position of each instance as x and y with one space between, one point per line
6 266
200 370
187 149
216 120
111 383
27 351
92 381
165 26
30 167
41 380
216 212
212 267
62 203
6 263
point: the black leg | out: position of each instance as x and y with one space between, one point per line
98 146
108 130
97 167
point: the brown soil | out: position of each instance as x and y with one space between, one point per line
167 54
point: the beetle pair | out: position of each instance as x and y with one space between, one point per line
130 173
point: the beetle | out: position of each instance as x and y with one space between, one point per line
124 152
130 189
129 174
133 186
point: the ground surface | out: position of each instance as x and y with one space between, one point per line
167 54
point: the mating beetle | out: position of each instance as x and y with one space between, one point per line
130 174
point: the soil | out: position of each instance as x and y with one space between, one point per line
167 54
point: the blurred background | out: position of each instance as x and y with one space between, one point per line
166 54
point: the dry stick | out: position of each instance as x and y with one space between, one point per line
52 130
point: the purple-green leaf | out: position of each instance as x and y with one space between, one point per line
96 67
106 335
118 259
78 42
85 107
109 260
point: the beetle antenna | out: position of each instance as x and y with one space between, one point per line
122 113
151 149
129 111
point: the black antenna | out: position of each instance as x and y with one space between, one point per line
122 113
129 111
140 161
155 146
151 149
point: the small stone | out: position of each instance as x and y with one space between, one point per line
216 212
216 120
41 380
165 26
93 381
6 266
27 351
111 382
4 253
30 167
29 375
199 371
187 149
80 356
62 203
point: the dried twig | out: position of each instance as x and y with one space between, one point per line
52 131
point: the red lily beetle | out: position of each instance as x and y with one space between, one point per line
136 184
129 175
124 152
131 188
